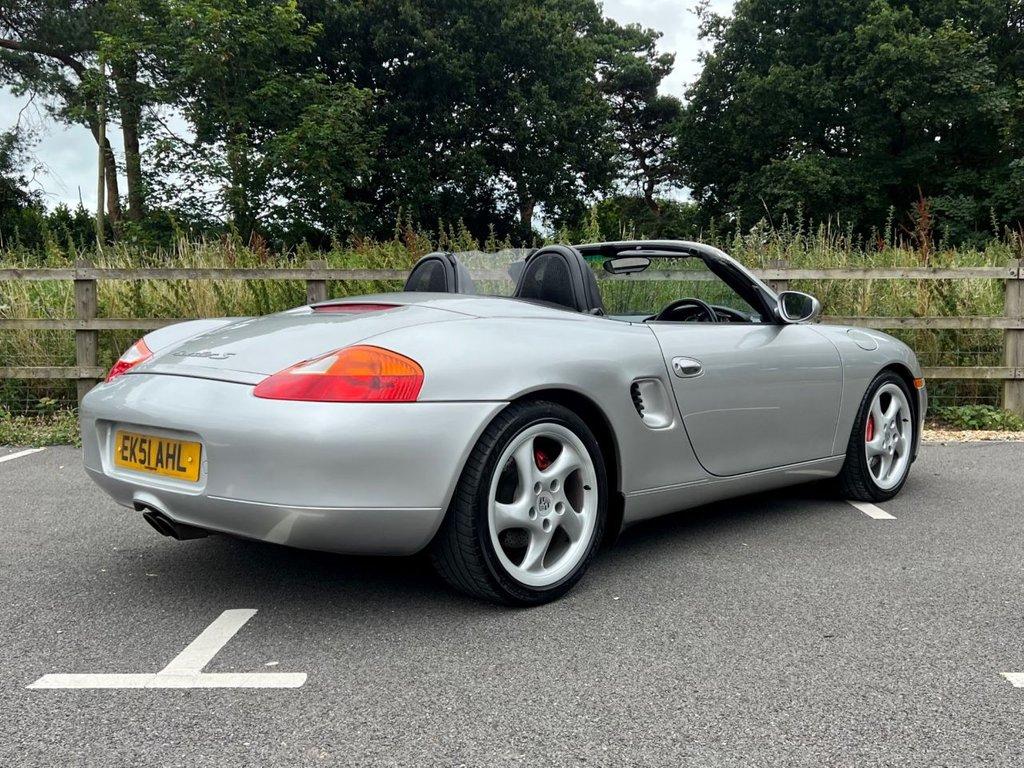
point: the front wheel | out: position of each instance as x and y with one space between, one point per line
879 453
529 510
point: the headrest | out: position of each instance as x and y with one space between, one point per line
439 273
558 274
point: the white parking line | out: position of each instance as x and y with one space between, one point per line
872 511
186 669
1016 678
19 454
201 651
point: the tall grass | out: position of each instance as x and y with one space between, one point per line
760 247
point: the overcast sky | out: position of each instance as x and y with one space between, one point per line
68 155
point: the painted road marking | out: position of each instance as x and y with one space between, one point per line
872 511
19 454
1016 678
186 669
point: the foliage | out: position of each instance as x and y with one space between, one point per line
978 417
303 121
24 221
644 123
21 212
485 112
52 428
625 217
833 107
231 70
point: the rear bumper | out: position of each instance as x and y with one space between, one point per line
370 478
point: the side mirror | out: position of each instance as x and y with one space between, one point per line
797 307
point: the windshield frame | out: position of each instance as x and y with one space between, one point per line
741 280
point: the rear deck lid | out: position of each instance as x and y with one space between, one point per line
251 349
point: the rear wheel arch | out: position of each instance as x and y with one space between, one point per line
595 418
465 551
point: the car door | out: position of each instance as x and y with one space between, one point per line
752 396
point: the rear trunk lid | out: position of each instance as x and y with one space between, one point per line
249 350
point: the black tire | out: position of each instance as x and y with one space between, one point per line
462 552
855 480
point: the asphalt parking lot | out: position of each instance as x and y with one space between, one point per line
785 629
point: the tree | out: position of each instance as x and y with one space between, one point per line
645 123
268 135
627 217
52 47
48 47
849 108
20 209
485 111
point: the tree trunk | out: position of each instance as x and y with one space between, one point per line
239 188
113 195
649 187
526 206
125 79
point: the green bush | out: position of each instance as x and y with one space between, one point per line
56 428
978 417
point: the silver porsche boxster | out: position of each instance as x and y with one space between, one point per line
508 436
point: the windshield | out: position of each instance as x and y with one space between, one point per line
665 281
636 296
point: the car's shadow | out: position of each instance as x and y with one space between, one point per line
231 569
645 538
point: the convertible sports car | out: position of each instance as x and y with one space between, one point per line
509 436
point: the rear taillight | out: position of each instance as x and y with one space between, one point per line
137 353
353 308
360 374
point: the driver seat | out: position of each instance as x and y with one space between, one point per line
439 272
559 275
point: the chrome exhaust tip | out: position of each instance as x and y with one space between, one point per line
163 525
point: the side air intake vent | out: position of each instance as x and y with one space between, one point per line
652 403
638 398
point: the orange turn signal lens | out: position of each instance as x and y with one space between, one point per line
919 383
359 374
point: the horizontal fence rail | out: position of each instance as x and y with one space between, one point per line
649 275
86 325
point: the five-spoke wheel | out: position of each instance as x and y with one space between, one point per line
881 445
888 436
543 504
528 514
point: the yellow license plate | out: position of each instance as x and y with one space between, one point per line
147 453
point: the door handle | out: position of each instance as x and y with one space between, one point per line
687 367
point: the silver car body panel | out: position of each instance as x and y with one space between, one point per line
780 381
774 406
351 477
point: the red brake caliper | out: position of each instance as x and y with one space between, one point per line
869 433
541 459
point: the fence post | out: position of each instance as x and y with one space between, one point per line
316 290
86 342
778 285
1013 340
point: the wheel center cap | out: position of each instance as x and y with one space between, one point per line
544 504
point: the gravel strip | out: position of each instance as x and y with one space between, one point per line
971 436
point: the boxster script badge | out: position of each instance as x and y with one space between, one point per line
207 354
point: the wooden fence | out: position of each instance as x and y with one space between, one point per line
86 325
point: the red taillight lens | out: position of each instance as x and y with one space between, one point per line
360 374
352 308
137 353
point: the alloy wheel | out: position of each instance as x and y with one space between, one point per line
543 505
888 436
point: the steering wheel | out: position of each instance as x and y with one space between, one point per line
705 309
